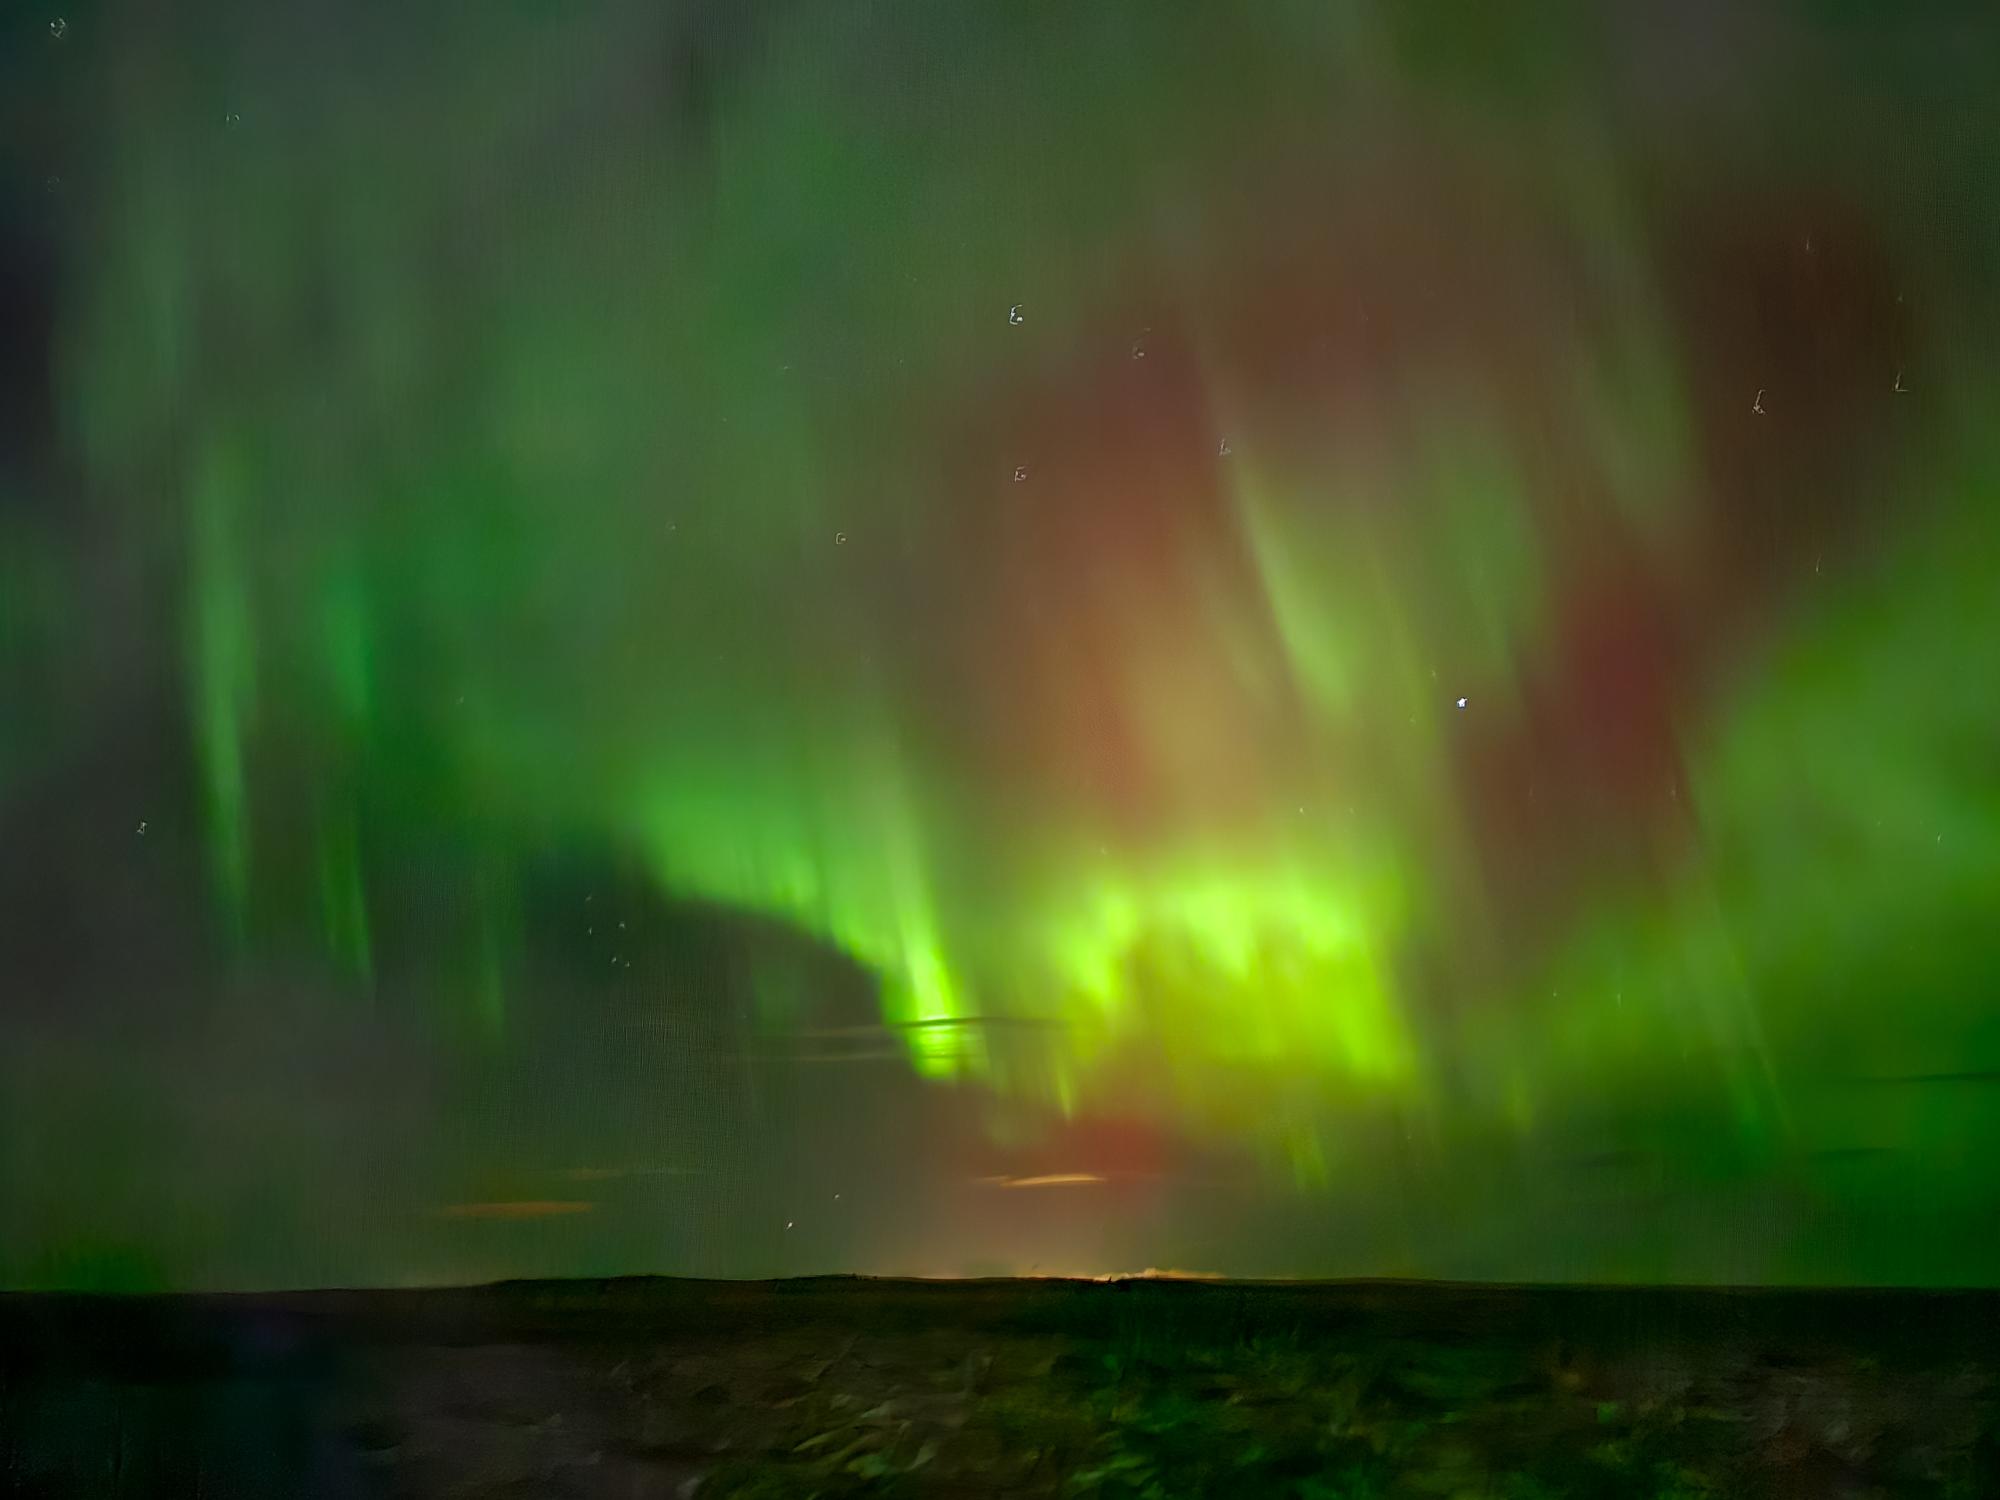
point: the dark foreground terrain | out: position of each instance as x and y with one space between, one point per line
1150 1388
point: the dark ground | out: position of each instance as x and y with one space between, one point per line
1154 1388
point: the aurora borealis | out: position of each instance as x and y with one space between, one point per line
1293 639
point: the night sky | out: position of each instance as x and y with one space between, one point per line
742 639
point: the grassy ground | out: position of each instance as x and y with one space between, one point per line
1122 1390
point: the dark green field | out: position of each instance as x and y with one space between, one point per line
1148 1388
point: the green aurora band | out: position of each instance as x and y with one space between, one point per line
1230 567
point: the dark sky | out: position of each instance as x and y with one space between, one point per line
736 639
